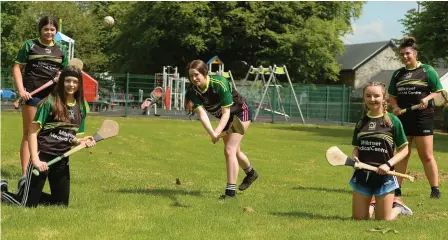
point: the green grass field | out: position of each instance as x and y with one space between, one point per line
124 188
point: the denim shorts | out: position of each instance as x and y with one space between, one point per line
33 101
390 183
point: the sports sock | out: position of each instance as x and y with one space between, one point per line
230 189
249 171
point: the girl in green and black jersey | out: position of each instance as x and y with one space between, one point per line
416 83
214 94
59 118
41 59
376 137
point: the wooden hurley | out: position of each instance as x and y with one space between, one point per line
336 157
235 127
73 62
108 129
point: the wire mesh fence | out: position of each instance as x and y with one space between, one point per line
125 94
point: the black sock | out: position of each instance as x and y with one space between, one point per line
435 189
248 169
230 189
398 192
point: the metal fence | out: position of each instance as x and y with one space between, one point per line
123 95
322 103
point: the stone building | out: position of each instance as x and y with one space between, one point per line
360 62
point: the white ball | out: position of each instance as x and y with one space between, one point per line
109 21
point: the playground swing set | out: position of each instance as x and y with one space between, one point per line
273 72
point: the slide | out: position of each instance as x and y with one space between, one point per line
90 88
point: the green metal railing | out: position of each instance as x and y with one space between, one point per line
317 102
124 93
329 103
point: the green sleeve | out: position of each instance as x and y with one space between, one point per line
222 87
86 105
81 126
42 113
191 95
22 56
434 83
399 136
392 90
355 140
65 60
84 110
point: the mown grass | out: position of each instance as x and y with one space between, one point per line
124 188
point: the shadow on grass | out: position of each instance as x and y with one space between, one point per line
165 192
160 191
307 215
323 189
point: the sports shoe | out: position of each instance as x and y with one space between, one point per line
21 185
405 210
224 197
373 202
247 181
435 193
4 185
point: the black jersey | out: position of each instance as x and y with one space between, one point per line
217 94
42 62
375 141
56 137
410 86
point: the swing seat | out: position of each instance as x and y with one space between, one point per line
155 95
146 103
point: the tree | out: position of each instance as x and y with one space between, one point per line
10 16
305 36
19 20
430 28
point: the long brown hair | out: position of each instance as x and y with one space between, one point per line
202 68
199 65
386 119
59 103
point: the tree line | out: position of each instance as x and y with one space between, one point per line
305 35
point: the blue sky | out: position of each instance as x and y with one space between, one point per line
379 22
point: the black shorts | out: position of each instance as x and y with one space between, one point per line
244 115
418 123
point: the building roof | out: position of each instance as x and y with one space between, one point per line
62 37
355 55
214 60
